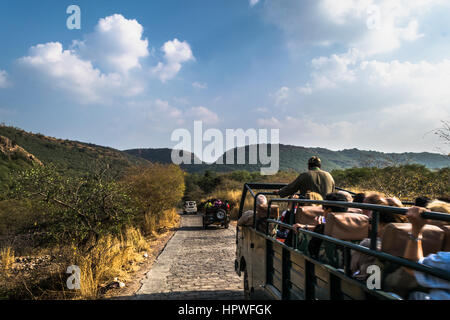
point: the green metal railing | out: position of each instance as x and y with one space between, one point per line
348 246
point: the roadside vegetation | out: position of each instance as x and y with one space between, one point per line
101 222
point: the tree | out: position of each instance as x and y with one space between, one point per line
444 132
154 188
81 209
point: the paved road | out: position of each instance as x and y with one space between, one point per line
196 264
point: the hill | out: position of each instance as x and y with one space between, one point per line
295 158
164 155
13 157
68 156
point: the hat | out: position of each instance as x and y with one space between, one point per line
314 162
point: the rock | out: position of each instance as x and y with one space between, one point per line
146 255
121 284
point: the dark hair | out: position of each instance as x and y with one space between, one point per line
374 198
334 196
359 198
422 201
389 217
314 162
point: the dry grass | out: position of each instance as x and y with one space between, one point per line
7 258
117 257
153 225
112 257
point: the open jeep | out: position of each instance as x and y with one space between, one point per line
216 212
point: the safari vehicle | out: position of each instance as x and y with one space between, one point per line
216 212
189 207
276 270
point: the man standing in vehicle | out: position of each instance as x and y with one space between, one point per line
314 180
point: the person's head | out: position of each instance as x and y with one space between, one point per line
261 200
335 196
374 198
314 162
313 196
394 202
439 206
444 198
347 195
359 197
385 218
421 201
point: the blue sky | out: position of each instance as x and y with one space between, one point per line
370 74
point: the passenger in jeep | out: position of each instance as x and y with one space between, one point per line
315 180
360 261
438 289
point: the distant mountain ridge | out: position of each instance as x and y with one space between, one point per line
295 158
21 149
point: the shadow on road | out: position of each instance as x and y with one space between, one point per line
190 295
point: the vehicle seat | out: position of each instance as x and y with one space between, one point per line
446 242
347 226
355 210
261 213
395 238
306 215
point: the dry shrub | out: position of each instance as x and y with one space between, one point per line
7 258
155 224
116 256
112 257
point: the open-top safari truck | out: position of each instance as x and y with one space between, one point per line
276 270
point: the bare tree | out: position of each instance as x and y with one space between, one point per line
444 132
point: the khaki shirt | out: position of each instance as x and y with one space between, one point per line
314 180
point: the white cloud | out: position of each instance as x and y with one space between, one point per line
3 79
166 116
64 69
165 108
95 70
371 26
175 53
105 65
307 132
116 45
203 114
199 85
281 96
253 2
261 110
354 101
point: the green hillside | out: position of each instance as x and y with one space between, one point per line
164 156
71 157
295 158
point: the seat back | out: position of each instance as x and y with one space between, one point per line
261 212
307 214
446 242
355 210
395 238
347 226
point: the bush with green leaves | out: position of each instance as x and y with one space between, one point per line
80 209
405 182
